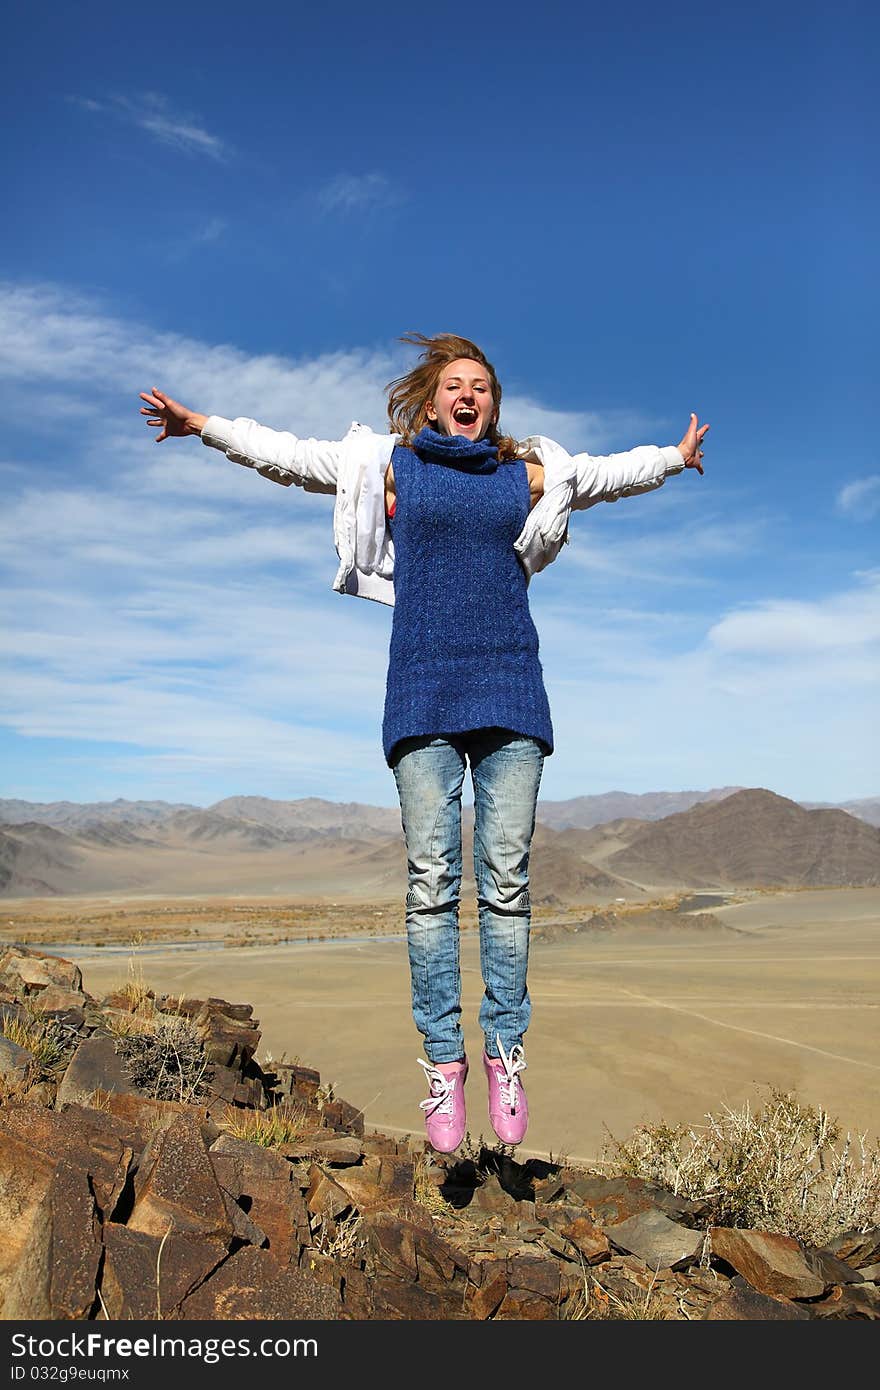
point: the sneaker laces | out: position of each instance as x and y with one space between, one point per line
513 1063
440 1101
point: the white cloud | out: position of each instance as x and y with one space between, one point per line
860 499
152 112
358 193
777 629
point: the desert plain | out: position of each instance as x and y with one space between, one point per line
632 1021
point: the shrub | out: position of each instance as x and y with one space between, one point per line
783 1168
165 1057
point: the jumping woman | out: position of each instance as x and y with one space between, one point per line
447 518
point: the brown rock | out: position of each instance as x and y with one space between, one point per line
537 1275
251 1284
526 1305
339 1114
239 1163
571 1223
773 1264
228 1041
26 971
143 1113
657 1240
16 1063
550 1187
483 1266
100 1145
357 1295
376 1182
490 1196
244 1230
336 1150
175 1186
488 1296
611 1200
395 1301
387 1147
93 1067
148 1278
438 1260
740 1302
322 1267
856 1248
832 1270
25 1182
393 1244
302 1082
56 1243
260 1179
74 1252
180 1004
54 999
325 1197
849 1303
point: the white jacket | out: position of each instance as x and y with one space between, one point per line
354 469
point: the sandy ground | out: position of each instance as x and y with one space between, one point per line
631 1027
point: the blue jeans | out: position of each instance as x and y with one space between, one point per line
506 774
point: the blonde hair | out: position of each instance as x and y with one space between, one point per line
408 395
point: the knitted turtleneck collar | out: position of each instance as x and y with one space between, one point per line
472 455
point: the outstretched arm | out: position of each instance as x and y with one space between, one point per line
605 478
309 463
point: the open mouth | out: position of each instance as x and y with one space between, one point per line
465 415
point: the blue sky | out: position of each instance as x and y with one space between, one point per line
637 211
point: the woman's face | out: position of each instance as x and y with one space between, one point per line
462 403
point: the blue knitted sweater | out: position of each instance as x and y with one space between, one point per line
464 648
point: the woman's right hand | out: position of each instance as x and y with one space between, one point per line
175 419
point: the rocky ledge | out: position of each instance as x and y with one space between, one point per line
151 1169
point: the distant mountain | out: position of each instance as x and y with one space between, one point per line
752 838
867 809
71 815
582 812
31 856
311 813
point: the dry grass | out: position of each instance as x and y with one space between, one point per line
342 1238
426 1192
273 1128
596 1303
41 1037
122 1023
785 1167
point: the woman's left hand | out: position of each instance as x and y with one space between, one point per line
691 447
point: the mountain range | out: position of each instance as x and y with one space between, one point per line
585 850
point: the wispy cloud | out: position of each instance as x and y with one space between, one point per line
860 499
153 113
777 629
358 193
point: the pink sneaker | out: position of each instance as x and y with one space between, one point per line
444 1108
508 1107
